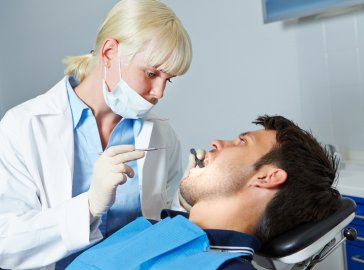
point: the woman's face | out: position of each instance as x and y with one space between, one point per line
147 81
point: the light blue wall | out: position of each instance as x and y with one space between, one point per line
241 68
331 74
36 35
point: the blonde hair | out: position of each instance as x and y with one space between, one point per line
140 25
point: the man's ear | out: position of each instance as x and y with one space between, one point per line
109 49
269 177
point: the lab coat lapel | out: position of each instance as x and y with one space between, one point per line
66 138
142 141
56 125
64 134
57 159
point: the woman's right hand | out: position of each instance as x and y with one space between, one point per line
110 171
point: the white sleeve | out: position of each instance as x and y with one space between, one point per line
32 235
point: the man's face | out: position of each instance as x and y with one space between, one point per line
228 166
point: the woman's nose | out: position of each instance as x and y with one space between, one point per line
158 89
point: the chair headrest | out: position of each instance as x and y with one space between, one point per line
305 234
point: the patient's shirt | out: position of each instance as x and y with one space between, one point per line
173 243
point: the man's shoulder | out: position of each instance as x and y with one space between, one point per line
168 213
173 213
239 263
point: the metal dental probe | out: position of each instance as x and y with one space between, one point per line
150 148
147 149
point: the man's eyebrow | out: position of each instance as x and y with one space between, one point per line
244 133
247 134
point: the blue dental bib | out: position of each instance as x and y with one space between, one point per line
173 243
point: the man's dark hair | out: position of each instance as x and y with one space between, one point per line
308 193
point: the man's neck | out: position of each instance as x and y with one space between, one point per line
235 213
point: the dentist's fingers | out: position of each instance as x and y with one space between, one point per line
123 168
122 153
109 172
128 156
200 154
190 164
118 149
183 202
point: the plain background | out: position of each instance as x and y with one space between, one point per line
310 70
241 68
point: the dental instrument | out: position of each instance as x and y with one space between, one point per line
199 162
151 148
147 149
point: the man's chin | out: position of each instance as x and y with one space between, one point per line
185 193
184 203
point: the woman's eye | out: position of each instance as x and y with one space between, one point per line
169 80
150 74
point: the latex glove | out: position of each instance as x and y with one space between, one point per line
110 171
192 161
191 164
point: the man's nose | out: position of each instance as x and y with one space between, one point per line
217 144
220 144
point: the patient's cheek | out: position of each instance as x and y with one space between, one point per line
195 172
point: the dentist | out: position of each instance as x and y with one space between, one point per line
70 173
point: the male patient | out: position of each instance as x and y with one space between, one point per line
251 189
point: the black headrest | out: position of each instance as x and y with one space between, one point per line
305 234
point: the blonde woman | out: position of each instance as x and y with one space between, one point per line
70 169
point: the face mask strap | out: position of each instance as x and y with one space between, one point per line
119 55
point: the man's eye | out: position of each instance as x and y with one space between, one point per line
242 140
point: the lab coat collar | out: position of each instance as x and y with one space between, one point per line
76 104
54 101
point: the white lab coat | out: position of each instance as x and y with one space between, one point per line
39 221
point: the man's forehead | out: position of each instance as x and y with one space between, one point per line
260 134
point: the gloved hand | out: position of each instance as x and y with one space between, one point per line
191 164
110 171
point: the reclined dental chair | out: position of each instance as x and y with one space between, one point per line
308 244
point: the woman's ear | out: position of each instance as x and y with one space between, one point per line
109 51
269 177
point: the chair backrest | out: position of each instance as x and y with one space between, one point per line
306 235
